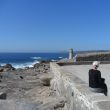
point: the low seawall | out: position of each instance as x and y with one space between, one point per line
76 92
98 56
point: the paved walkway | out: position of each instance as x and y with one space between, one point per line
81 71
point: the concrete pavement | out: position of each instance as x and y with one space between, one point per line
81 71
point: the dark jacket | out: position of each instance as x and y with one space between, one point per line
95 80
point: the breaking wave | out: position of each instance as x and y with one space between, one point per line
22 65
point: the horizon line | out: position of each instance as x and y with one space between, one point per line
63 51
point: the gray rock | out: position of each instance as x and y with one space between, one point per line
45 79
54 104
1 69
8 67
3 95
17 105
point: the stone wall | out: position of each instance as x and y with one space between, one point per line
76 92
99 56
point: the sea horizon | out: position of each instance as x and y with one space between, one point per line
22 60
28 59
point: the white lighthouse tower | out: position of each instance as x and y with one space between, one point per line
71 53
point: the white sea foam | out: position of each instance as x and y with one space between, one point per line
35 58
60 57
24 65
53 60
2 64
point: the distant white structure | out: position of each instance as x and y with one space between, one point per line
71 53
75 58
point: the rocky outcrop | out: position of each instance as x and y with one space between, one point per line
28 89
7 67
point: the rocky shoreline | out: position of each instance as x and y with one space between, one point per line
29 84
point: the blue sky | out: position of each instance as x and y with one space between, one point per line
54 25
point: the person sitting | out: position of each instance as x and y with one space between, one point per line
96 82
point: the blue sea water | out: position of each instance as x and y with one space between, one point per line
21 60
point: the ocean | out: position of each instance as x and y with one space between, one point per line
22 60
